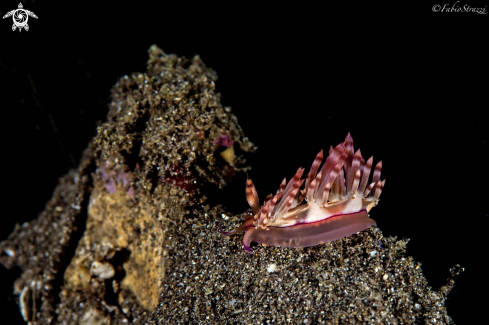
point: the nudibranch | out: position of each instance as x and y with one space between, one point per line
338 199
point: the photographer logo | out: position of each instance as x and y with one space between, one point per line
20 17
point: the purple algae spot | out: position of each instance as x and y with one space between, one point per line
124 177
111 187
130 191
104 173
224 140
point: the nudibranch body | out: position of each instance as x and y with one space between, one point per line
338 199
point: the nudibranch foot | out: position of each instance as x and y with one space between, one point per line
312 234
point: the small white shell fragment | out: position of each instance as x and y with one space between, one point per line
10 252
385 276
92 317
373 253
225 217
25 308
272 268
102 270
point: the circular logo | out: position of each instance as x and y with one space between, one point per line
20 17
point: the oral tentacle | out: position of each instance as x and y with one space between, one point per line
247 224
252 196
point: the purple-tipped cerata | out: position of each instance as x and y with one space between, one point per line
338 202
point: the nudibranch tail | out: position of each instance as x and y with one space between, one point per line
339 197
247 224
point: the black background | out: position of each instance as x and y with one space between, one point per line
410 85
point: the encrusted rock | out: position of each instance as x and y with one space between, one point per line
129 236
